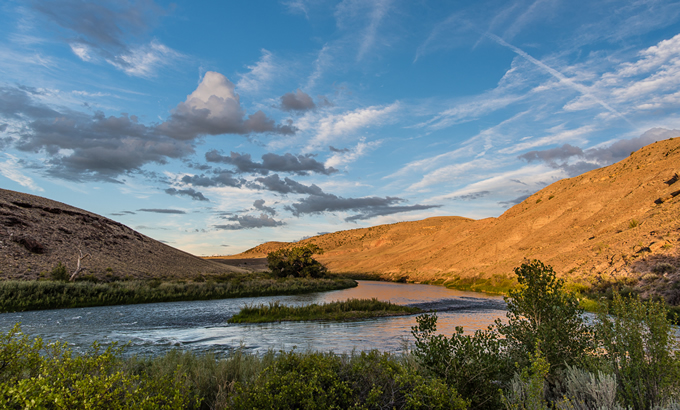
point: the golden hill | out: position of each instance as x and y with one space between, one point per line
37 233
622 221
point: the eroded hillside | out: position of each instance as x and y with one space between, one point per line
37 233
619 221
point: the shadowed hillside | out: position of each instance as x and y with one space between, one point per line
37 233
619 221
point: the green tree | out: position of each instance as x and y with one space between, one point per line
639 346
541 310
472 364
297 262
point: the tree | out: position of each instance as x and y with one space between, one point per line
297 262
473 364
639 345
541 312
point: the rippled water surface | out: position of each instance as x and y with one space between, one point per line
202 325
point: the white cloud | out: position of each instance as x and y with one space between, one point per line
341 159
259 75
453 172
143 61
333 126
89 94
559 135
81 50
10 170
506 184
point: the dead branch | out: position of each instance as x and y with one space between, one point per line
78 268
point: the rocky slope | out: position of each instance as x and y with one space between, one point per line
37 233
621 221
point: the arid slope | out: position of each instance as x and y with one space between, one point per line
622 220
36 233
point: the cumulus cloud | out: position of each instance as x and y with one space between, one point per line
297 101
162 211
213 109
219 178
250 222
294 164
285 186
259 204
82 146
367 207
190 192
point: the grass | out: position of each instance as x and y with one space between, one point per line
350 309
18 296
495 285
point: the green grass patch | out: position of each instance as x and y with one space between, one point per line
18 296
350 309
495 285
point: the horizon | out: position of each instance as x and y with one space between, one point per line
217 127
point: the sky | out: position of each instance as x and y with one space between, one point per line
215 126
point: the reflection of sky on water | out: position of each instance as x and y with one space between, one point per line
202 325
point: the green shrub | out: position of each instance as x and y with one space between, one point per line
296 262
638 344
48 376
472 364
59 273
527 388
541 310
370 380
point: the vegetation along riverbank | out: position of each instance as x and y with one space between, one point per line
350 309
38 295
546 356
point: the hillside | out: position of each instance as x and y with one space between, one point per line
618 221
37 233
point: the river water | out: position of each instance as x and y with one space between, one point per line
202 325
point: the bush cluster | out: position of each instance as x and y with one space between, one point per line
297 262
548 356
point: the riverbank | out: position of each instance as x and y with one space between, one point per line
17 296
350 309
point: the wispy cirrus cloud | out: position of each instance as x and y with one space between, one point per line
10 169
106 31
337 126
260 74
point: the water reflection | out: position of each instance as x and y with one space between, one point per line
202 325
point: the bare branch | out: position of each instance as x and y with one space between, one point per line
78 268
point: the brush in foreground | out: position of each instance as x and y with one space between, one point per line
350 309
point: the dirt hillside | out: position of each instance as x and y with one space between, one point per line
619 221
36 233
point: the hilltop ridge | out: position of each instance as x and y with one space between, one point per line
619 221
37 233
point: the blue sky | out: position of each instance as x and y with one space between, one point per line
216 126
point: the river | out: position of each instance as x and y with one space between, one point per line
202 325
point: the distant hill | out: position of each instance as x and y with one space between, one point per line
37 233
618 221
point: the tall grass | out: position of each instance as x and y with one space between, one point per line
38 295
340 310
